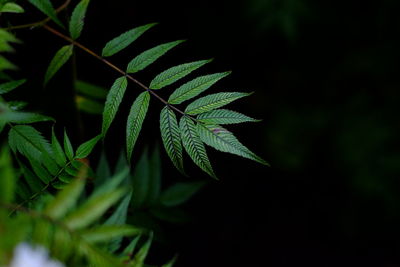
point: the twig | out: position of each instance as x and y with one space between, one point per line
105 61
41 22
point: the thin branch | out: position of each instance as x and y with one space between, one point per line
105 61
41 22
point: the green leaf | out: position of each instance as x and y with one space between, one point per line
12 8
91 90
112 183
149 56
140 181
93 209
118 218
24 117
213 101
31 179
128 251
195 87
69 150
176 73
89 106
171 262
224 116
6 65
50 164
84 149
65 199
179 193
102 171
135 121
17 105
8 178
28 141
138 260
77 19
125 39
105 233
223 140
171 137
60 58
114 99
47 8
9 86
193 145
41 172
154 177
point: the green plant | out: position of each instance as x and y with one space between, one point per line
77 224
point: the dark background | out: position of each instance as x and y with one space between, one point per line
325 77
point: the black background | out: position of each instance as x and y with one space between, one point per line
325 77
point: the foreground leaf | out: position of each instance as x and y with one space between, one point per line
114 99
223 140
195 87
194 146
93 209
175 73
171 137
67 198
8 177
77 19
149 56
60 58
105 233
135 121
138 260
9 86
123 40
213 101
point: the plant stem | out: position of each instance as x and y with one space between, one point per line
39 23
105 61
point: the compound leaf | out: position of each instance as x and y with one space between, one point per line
175 73
113 101
195 87
125 39
135 121
149 56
